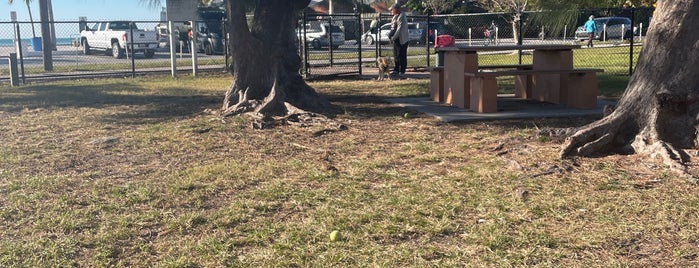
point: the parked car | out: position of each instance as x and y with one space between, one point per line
416 35
116 37
320 37
436 26
210 38
615 26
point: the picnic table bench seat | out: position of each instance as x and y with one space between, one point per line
578 90
437 93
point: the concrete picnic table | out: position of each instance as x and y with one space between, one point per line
459 60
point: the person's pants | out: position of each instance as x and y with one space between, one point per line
400 53
589 39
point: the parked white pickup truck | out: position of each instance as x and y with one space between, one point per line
115 37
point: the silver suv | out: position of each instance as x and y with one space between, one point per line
615 27
320 37
415 34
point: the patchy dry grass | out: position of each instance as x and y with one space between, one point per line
132 173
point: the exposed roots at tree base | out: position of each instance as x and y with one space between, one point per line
270 113
298 118
675 159
605 136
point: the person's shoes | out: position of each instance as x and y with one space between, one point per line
393 73
401 75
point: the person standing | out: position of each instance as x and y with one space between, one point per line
491 32
399 37
590 28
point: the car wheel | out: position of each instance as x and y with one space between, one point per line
149 54
315 44
207 49
86 47
369 40
117 52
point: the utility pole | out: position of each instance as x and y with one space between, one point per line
46 36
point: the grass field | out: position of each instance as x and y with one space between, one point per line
133 172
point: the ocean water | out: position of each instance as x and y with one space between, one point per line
59 42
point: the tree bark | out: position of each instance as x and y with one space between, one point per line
659 111
265 58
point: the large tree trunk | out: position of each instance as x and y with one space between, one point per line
266 75
658 113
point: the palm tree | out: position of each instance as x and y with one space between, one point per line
31 19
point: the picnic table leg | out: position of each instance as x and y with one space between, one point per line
549 87
484 94
457 87
523 86
583 90
437 84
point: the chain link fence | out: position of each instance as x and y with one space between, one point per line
332 45
613 49
328 44
74 54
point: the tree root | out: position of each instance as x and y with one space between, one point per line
292 116
299 118
593 139
675 159
274 111
604 136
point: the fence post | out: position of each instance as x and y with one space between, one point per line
497 30
130 51
604 32
470 36
193 47
305 46
427 40
14 76
377 42
359 40
630 43
518 19
330 38
173 49
21 56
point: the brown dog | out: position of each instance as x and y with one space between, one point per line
383 64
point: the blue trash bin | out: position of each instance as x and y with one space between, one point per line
36 43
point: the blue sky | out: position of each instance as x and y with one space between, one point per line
70 10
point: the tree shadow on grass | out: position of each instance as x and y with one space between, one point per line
363 106
137 104
376 106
